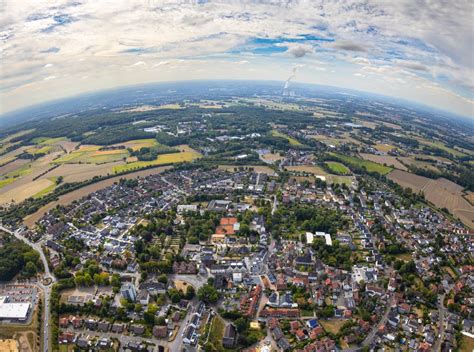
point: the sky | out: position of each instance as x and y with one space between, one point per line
421 50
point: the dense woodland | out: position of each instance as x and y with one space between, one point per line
17 258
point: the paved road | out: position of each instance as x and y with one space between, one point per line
441 313
370 337
46 288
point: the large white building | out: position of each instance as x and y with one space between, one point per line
13 311
128 291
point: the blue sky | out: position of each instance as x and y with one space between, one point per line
412 49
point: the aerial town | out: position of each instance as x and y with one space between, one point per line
248 259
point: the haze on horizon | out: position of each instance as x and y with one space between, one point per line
416 50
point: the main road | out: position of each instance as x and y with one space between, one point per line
48 280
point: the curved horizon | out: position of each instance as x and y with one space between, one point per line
49 103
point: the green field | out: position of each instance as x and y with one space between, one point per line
292 141
217 331
357 162
6 181
338 168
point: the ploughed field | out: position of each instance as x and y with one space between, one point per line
441 192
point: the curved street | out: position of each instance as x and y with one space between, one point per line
46 288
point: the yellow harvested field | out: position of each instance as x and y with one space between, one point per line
470 197
82 172
384 147
384 160
137 144
271 157
20 193
162 159
92 154
441 192
9 345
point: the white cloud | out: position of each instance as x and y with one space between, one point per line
430 40
138 63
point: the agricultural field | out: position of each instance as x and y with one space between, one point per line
22 178
184 155
292 140
384 160
470 197
408 180
7 141
442 146
384 148
137 144
370 166
441 192
271 157
337 168
410 160
82 172
93 155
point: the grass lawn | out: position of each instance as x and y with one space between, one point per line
467 344
347 180
292 141
338 168
216 332
406 257
370 166
333 325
